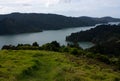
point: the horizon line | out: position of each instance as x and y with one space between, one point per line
54 14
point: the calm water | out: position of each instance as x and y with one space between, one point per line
43 37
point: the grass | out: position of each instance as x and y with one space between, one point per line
29 65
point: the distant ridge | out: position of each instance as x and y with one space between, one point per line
16 23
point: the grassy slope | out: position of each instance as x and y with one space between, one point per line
52 66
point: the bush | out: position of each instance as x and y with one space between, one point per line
35 44
9 47
53 46
64 49
103 58
74 51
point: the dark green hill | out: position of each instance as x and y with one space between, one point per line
16 23
105 37
101 33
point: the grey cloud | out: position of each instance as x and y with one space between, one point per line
27 4
65 7
66 1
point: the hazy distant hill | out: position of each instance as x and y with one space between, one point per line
16 23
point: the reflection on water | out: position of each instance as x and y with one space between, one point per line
44 37
40 37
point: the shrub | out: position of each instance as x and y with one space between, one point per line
53 46
103 58
35 44
64 49
74 51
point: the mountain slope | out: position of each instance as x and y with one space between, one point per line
52 66
105 37
101 33
16 23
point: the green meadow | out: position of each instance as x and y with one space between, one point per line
36 65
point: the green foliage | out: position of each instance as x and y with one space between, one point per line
103 58
100 33
74 51
28 65
35 44
74 58
64 49
53 46
105 37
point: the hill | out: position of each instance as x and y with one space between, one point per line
101 33
105 37
16 23
36 65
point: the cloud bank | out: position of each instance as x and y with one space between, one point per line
95 8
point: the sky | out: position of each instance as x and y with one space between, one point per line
93 8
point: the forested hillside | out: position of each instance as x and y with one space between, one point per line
105 37
16 23
101 33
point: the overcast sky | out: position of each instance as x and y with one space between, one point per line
94 8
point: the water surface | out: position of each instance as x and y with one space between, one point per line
45 37
41 37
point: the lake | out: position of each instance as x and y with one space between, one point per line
43 37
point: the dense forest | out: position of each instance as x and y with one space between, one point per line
16 23
101 33
105 37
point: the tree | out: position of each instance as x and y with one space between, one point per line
55 43
74 51
53 46
35 44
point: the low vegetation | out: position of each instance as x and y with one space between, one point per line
52 62
36 65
